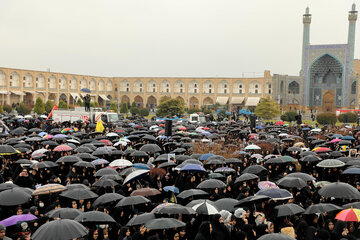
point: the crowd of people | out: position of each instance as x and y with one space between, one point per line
218 180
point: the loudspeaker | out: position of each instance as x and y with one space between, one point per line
168 128
252 121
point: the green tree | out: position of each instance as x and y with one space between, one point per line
1 109
348 117
7 108
134 110
39 107
114 107
124 108
49 106
63 105
267 109
23 109
80 103
133 104
170 107
289 116
326 118
144 112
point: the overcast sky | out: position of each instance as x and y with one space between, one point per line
185 38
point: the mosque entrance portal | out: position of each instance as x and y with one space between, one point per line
328 104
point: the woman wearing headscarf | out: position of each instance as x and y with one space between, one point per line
205 231
220 231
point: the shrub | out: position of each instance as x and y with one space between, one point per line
113 106
49 106
348 117
39 107
207 111
289 116
124 108
326 118
134 110
63 105
7 108
23 109
1 109
193 110
144 112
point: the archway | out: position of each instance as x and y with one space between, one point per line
194 102
328 104
208 101
29 100
139 101
125 99
63 97
151 103
100 101
52 97
326 73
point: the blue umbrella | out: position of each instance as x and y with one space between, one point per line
351 171
42 134
205 156
171 189
205 133
193 167
350 138
85 90
337 136
259 127
275 193
141 166
306 129
100 161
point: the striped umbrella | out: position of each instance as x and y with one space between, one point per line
48 189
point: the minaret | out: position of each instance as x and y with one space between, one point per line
306 37
351 35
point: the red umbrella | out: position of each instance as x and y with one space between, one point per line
322 150
279 123
62 148
157 171
145 192
106 142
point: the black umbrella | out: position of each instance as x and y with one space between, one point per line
79 194
60 230
7 150
64 213
310 158
150 148
107 198
339 190
211 184
13 197
50 143
292 182
164 223
191 193
83 150
254 169
288 209
18 131
105 183
94 217
84 164
321 207
304 176
112 177
275 236
246 177
34 139
6 186
131 201
105 171
167 164
86 156
351 205
77 186
69 159
227 204
307 153
139 154
252 200
140 219
205 208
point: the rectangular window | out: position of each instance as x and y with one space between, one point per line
225 91
127 89
195 90
181 90
209 90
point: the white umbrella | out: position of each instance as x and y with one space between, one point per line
330 163
316 130
112 134
135 175
120 163
19 116
252 147
205 208
27 116
43 116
